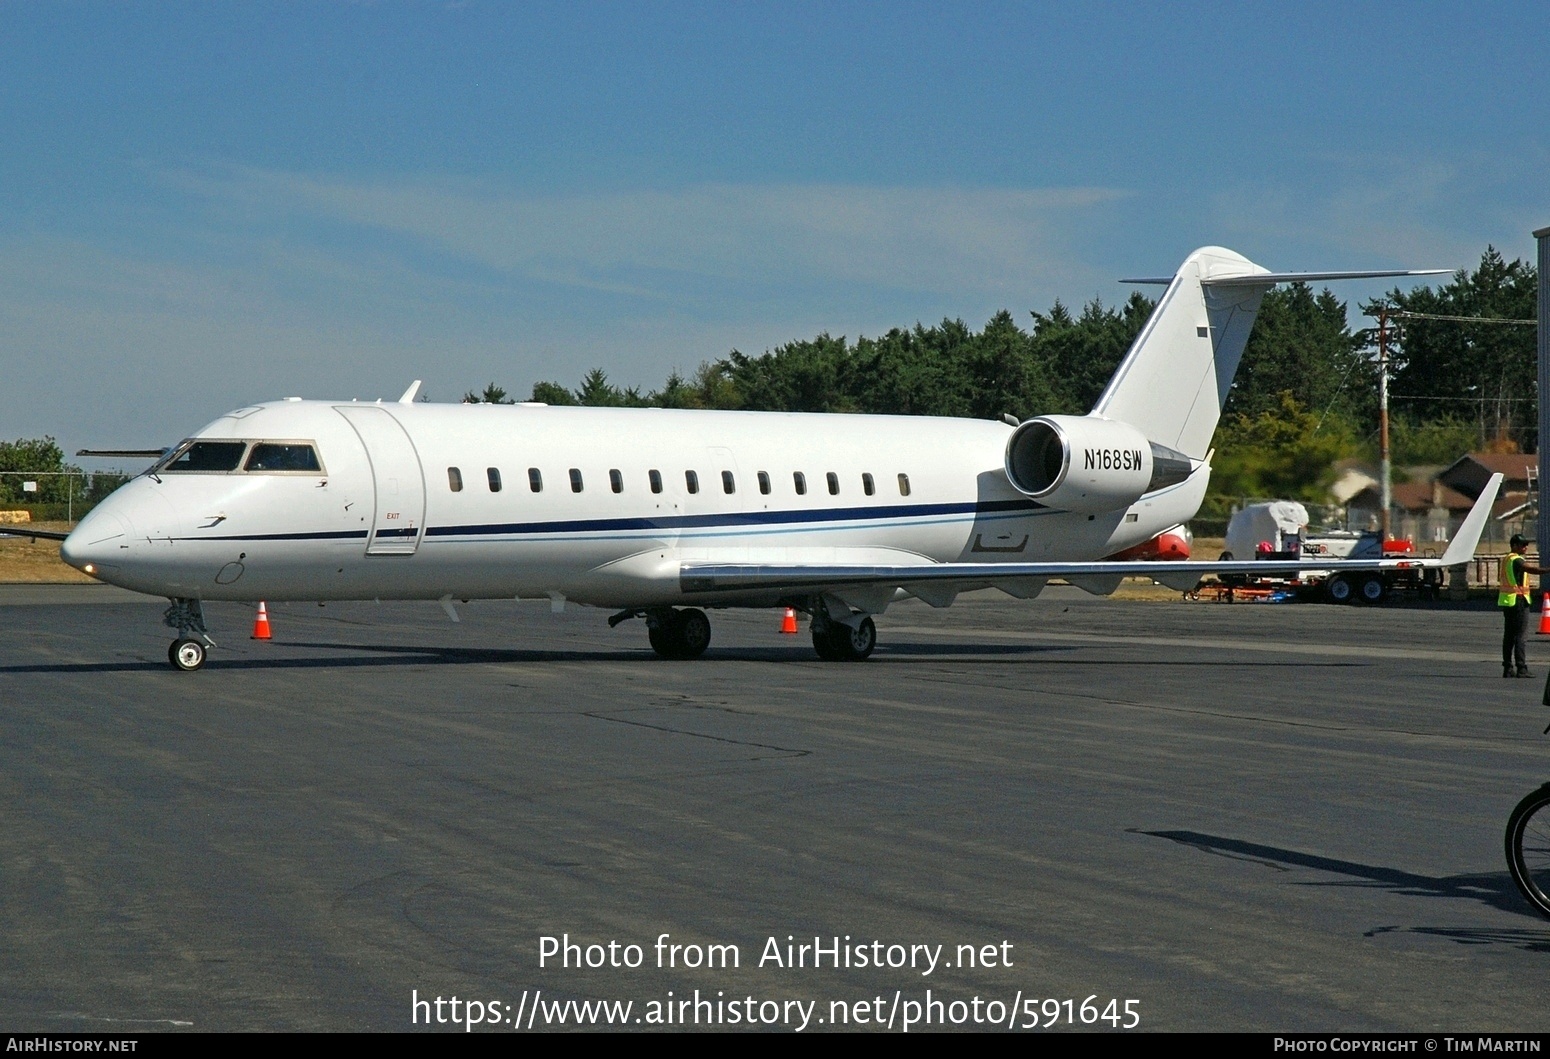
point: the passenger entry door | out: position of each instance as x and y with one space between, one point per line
398 481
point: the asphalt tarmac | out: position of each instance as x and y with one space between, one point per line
1221 817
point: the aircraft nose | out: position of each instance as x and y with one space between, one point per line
99 542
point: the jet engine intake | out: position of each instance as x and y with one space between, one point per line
1088 464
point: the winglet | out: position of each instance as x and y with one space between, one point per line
409 394
1467 539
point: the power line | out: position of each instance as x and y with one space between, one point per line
1400 314
1480 400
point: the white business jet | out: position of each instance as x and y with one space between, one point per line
658 513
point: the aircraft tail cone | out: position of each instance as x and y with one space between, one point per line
1544 616
261 623
788 624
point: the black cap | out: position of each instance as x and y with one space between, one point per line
1519 541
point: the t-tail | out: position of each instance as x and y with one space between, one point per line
1174 381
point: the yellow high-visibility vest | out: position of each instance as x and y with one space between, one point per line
1510 591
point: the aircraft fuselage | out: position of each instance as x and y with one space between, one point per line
597 506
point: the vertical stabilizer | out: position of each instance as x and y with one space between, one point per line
1174 381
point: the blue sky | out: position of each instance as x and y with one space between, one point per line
206 205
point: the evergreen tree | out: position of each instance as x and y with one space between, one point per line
1482 373
492 394
1301 345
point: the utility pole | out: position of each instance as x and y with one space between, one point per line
1543 236
1386 468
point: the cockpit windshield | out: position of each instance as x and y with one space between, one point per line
282 456
198 456
205 456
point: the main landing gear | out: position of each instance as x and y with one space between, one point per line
187 652
685 634
837 642
678 634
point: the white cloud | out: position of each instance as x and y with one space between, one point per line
651 243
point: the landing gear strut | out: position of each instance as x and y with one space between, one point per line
678 634
187 652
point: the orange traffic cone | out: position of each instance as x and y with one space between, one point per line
261 623
1544 616
788 624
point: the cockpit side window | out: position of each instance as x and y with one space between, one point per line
207 456
294 457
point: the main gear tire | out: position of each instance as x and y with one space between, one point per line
692 631
837 642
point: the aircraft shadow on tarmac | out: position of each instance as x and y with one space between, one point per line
374 655
1491 888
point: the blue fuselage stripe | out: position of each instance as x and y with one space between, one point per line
771 521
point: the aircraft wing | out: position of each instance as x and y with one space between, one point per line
1100 576
20 530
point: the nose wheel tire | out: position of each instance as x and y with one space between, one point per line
187 655
1528 848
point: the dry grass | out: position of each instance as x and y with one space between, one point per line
22 560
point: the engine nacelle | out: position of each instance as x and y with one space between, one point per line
1091 465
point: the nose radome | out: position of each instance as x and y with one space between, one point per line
98 540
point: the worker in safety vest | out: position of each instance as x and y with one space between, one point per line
1516 605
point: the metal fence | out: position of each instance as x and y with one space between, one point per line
76 493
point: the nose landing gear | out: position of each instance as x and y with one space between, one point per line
187 652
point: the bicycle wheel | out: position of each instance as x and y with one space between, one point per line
1528 848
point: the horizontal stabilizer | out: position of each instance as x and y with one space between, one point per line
1262 278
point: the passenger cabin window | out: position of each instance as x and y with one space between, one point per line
904 485
867 485
575 480
764 482
799 480
454 479
278 457
692 481
616 481
728 485
207 456
656 481
493 475
535 479
834 483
